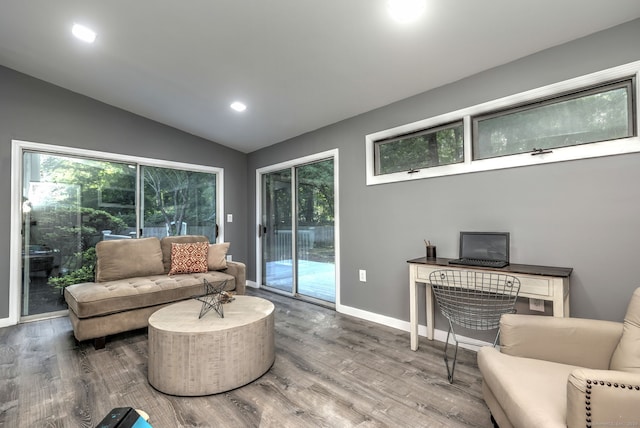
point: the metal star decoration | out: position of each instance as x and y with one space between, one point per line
211 298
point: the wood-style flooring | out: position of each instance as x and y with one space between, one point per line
331 370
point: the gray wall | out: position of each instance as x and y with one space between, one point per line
582 214
33 110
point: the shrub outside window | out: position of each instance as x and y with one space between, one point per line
596 114
426 148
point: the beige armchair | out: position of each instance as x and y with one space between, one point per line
564 372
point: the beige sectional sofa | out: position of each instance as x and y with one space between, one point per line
564 372
133 281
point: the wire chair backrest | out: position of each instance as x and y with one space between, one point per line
474 299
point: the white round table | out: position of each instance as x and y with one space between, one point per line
189 356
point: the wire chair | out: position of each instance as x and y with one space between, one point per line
473 300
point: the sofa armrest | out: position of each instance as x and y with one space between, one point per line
239 271
603 398
575 341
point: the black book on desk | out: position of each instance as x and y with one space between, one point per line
483 249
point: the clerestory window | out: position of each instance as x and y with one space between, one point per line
585 117
591 115
423 149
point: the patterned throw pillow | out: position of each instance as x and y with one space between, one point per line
189 258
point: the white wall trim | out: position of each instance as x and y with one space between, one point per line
439 335
18 147
586 151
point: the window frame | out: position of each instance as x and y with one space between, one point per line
432 130
628 82
583 151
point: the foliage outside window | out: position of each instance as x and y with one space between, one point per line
596 114
316 194
66 214
428 148
177 202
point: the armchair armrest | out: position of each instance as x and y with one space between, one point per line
603 398
575 341
238 270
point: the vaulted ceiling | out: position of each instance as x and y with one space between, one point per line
298 65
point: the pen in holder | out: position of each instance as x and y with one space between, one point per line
431 250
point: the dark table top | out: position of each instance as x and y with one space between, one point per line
563 272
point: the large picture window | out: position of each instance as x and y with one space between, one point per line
586 117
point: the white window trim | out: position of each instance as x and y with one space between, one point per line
592 150
333 153
18 148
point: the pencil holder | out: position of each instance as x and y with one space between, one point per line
431 252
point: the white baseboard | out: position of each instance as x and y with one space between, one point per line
6 322
439 335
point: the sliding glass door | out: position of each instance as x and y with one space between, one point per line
71 202
68 205
277 231
297 230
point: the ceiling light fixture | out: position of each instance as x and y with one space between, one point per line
405 11
238 106
83 33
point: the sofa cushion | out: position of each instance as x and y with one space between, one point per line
91 299
189 258
626 357
545 394
217 258
165 245
127 258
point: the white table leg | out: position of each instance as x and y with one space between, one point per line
413 307
429 311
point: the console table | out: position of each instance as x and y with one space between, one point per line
536 282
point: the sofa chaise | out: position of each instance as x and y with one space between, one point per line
136 277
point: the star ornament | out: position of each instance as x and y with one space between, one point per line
211 299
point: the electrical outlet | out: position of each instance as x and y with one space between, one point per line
229 218
536 305
229 258
363 275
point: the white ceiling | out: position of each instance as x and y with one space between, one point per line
298 64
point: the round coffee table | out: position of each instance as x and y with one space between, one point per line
190 356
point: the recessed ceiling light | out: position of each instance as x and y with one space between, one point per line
83 33
238 106
406 11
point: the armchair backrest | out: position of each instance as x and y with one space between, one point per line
626 357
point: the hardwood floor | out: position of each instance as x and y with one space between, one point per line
331 370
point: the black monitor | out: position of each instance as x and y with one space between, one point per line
485 246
